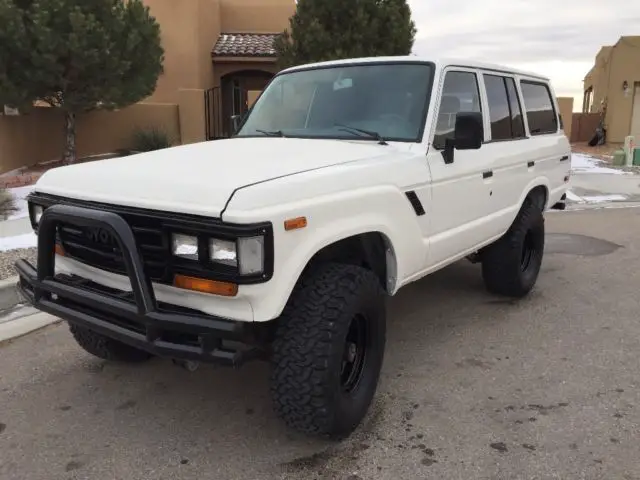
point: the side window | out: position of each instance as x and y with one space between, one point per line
539 108
517 121
460 93
504 108
498 107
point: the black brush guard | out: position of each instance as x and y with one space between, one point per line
137 321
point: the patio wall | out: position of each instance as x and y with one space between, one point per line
38 136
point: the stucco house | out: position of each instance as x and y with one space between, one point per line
219 55
612 88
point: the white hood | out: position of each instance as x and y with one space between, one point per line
198 178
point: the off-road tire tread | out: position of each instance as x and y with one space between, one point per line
106 348
304 344
500 260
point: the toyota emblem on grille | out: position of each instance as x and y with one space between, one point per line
100 235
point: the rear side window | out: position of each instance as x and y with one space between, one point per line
504 108
538 104
498 107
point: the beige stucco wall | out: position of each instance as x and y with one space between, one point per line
30 139
256 16
102 131
189 32
192 115
612 67
39 136
625 65
565 104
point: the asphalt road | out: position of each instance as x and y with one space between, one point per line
473 387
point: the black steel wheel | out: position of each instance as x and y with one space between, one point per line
328 350
511 265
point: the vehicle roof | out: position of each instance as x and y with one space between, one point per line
439 62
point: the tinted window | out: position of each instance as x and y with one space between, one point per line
517 122
539 107
498 107
460 94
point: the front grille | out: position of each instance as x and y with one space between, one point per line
98 249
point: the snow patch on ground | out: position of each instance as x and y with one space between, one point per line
581 163
28 240
591 199
19 197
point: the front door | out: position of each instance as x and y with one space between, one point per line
460 190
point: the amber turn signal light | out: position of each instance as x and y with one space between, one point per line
59 250
295 223
224 289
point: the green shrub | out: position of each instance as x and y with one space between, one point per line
7 205
147 140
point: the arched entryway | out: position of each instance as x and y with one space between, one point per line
235 95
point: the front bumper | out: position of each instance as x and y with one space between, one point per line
134 318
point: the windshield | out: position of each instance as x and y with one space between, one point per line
386 100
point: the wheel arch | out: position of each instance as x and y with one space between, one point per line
369 249
537 191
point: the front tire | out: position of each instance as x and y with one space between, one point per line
106 348
511 265
328 350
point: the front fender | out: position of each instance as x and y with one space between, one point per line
331 218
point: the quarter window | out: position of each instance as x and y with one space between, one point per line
460 93
538 104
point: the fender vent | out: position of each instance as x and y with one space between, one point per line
415 202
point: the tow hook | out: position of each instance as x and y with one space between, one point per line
188 365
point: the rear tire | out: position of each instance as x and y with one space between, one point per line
328 350
511 265
106 348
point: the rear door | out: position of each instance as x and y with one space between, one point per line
507 146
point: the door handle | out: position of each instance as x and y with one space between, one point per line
488 174
530 164
565 158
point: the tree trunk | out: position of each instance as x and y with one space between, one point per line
70 138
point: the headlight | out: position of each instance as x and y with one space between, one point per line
184 246
223 251
251 253
247 254
37 210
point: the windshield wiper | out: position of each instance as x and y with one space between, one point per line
271 133
366 133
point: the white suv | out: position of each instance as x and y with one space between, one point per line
346 181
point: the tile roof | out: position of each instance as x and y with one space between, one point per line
245 45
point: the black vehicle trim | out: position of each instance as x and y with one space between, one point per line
140 321
415 203
188 224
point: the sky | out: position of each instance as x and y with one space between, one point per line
556 38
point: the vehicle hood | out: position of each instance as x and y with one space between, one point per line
199 178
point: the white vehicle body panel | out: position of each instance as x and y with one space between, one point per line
343 188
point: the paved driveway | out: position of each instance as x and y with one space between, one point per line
473 387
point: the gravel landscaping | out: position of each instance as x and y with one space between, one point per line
7 259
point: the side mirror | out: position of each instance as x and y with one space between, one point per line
468 134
